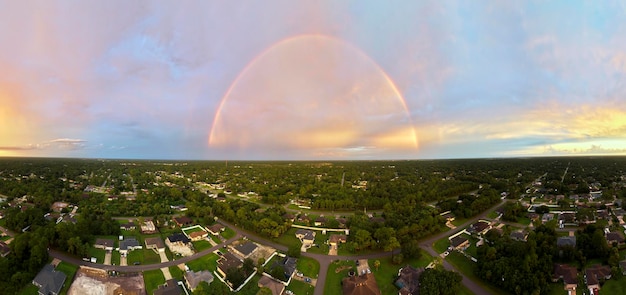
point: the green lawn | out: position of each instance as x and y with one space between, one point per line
320 241
143 256
288 238
333 279
557 289
468 268
29 289
5 238
308 267
524 220
459 221
441 245
207 262
97 253
492 215
388 272
228 233
176 272
616 285
300 287
201 245
69 270
115 257
153 279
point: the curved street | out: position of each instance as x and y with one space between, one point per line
324 260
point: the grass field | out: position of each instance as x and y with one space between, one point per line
115 257
441 245
300 288
97 253
153 279
320 241
492 215
387 272
468 268
288 238
557 289
615 285
143 256
207 262
336 272
459 221
201 245
69 270
29 289
176 272
228 233
308 267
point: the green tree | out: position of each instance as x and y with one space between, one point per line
377 264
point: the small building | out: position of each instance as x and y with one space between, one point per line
518 235
288 265
195 278
276 287
615 237
547 217
459 243
360 285
216 229
289 217
179 243
622 266
128 226
409 280
226 262
480 227
183 221
320 221
335 239
377 219
170 287
129 244
49 281
245 250
155 243
148 227
104 244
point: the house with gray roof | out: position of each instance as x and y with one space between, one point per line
246 249
49 280
129 244
195 278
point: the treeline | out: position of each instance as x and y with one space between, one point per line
466 206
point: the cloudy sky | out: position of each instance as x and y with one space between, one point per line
312 79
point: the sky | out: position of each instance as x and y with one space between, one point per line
312 80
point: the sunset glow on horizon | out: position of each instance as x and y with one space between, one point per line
313 80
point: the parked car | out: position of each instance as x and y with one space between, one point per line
308 280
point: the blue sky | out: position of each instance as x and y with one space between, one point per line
312 80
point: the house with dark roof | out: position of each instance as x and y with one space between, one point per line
288 265
183 221
320 221
566 241
216 229
179 243
480 227
128 226
622 266
104 244
568 274
170 287
360 285
155 243
615 237
194 279
459 243
335 239
518 236
408 280
129 244
245 250
49 280
306 236
4 249
276 287
596 275
226 262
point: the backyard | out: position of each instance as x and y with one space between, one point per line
207 262
153 279
309 267
143 256
300 287
336 272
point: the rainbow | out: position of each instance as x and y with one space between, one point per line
289 40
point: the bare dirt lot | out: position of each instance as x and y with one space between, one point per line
91 281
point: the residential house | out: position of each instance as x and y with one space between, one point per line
566 241
289 217
360 285
198 235
129 244
568 274
342 222
459 243
148 227
320 221
304 219
49 281
276 287
409 280
377 219
226 262
244 250
194 279
104 244
603 214
622 266
306 236
170 287
335 239
595 275
155 243
480 227
183 221
547 217
567 217
128 226
4 249
288 265
179 243
615 237
216 229
518 235
448 216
